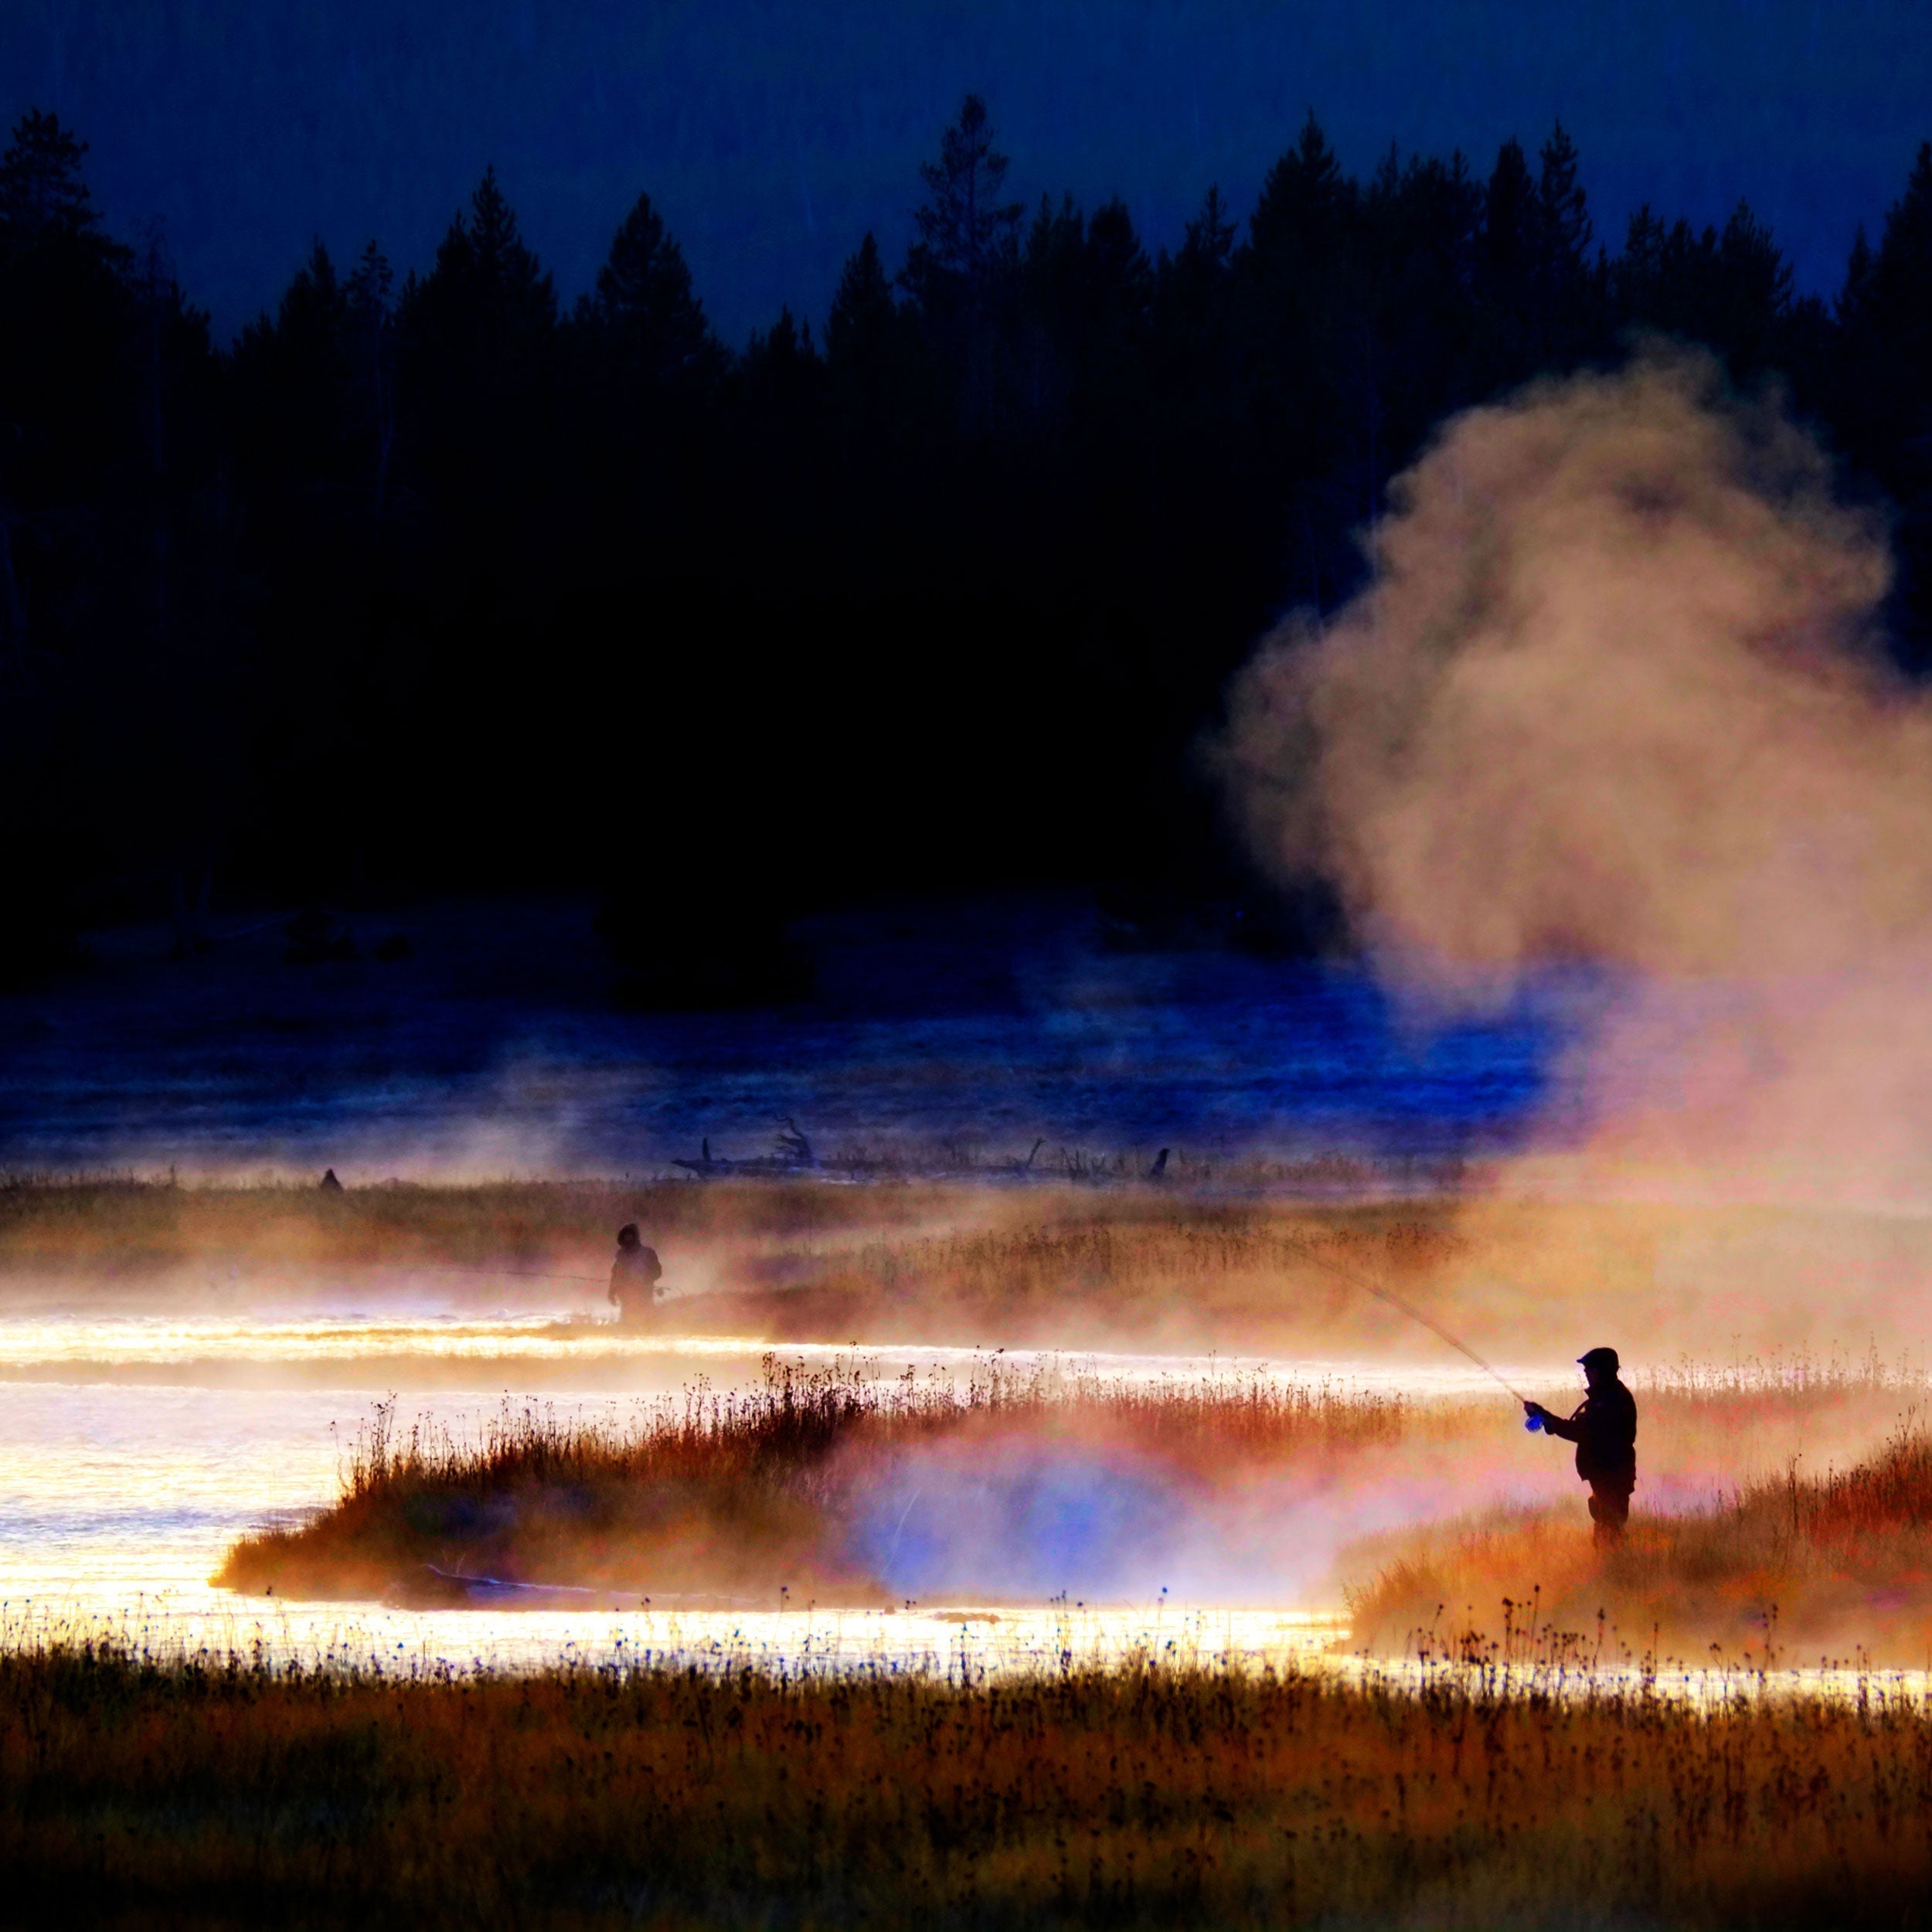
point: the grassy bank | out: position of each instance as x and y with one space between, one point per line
783 1260
222 1795
740 1494
1790 1569
127 1227
737 1495
1055 1264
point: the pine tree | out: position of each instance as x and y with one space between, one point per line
864 317
1511 222
968 235
1208 242
42 196
486 272
372 319
654 323
1901 281
477 359
1756 276
1561 203
1306 201
1854 297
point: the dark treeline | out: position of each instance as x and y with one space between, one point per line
433 579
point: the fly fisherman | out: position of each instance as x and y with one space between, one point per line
634 1276
1605 1431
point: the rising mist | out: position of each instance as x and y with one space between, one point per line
1616 693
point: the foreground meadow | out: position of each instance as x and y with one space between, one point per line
223 1793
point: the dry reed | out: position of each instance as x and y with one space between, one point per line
743 1492
1788 1567
217 1791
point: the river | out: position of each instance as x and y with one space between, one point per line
135 1444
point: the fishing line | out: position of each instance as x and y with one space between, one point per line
1367 1284
1370 1286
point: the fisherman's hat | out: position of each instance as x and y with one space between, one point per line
1598 1359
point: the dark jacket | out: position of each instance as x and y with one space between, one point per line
635 1273
1605 1431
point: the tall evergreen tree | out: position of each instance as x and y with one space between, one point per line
1900 295
43 196
1512 225
863 317
968 235
1207 243
1562 205
478 361
1306 205
372 321
653 322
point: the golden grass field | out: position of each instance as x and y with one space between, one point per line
1058 1265
221 1793
1792 1569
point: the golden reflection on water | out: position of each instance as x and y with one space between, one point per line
122 1479
54 1338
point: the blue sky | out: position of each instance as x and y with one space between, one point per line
772 136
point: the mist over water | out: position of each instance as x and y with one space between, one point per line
124 1481
1616 695
978 1026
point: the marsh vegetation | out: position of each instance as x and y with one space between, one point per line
748 1494
220 1791
1231 1261
1785 1568
777 1493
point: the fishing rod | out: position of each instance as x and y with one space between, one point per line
1382 1293
1353 1276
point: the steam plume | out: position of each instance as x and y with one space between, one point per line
1614 693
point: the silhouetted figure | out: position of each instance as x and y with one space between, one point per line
1158 1171
634 1276
1604 1429
330 1184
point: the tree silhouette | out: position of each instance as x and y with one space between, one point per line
1561 203
643 301
1900 299
1300 220
968 235
372 321
863 317
43 196
1027 511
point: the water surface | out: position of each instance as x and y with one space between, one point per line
136 1446
964 1031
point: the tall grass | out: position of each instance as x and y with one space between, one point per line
129 1226
1054 1264
731 1492
1789 1567
739 1494
223 1792
792 1260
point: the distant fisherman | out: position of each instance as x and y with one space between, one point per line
634 1276
1605 1431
